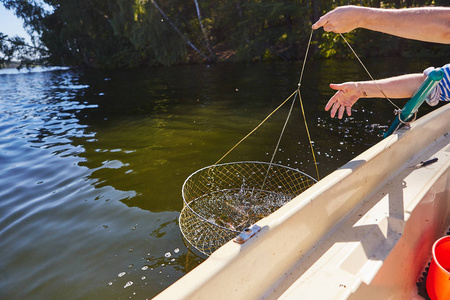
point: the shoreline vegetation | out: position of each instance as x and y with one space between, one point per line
117 34
10 65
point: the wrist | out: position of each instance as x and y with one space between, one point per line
362 92
360 15
366 17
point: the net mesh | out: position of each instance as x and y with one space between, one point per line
222 200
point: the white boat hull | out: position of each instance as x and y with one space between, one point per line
363 232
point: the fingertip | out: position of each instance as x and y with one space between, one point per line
319 23
329 104
335 87
349 111
332 113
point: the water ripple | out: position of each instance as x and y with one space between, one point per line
44 188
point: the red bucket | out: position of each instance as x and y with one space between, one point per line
438 279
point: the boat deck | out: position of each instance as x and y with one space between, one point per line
381 248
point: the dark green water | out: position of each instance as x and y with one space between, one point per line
92 163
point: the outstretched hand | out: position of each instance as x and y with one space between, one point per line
342 101
340 20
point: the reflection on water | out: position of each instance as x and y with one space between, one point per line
92 163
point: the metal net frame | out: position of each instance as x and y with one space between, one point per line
220 201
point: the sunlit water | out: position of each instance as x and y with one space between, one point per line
92 163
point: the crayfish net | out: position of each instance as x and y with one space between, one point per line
220 201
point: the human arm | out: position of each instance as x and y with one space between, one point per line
429 24
348 93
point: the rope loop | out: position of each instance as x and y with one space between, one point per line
409 122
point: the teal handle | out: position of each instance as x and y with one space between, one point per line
417 99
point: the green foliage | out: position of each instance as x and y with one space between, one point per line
276 27
16 49
332 45
132 33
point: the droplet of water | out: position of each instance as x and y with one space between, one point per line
168 254
144 268
121 274
129 283
176 250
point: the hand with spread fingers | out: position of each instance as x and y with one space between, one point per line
429 24
347 94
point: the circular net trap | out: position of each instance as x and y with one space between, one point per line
220 201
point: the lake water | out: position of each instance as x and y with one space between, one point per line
92 162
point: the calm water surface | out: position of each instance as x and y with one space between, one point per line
92 163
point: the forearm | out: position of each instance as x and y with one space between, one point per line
430 24
402 86
348 93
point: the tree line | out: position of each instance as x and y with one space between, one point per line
135 33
